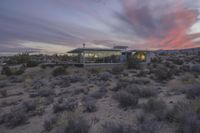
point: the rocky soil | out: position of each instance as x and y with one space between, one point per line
160 97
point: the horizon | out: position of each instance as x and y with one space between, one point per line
58 26
6 54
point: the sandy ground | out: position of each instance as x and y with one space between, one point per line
20 88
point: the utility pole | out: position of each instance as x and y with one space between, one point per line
83 53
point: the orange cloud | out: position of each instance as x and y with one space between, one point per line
166 31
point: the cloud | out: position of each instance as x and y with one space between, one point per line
58 23
61 22
24 28
69 23
161 28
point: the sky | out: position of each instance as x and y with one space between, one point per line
56 26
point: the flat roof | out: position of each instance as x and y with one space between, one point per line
120 47
78 50
129 51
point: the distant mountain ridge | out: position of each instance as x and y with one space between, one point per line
187 50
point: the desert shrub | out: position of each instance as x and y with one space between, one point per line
120 85
32 63
147 92
142 116
126 99
156 60
68 105
22 58
94 120
177 61
162 73
110 127
186 116
141 92
89 104
17 116
133 64
6 71
39 111
134 90
189 124
26 108
193 92
188 79
125 74
174 71
196 69
178 110
99 93
46 92
18 59
104 76
10 61
29 105
3 84
3 93
58 108
168 64
78 91
49 123
156 107
196 75
147 124
152 68
75 78
20 71
48 100
142 73
43 66
78 125
117 69
140 81
185 68
16 79
58 71
94 70
62 81
37 84
65 81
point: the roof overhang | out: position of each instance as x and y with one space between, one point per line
80 50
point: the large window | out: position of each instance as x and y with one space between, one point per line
101 56
140 56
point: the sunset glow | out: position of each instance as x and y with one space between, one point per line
67 24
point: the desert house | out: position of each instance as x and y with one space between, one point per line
118 54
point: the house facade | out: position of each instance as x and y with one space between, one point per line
114 55
95 55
